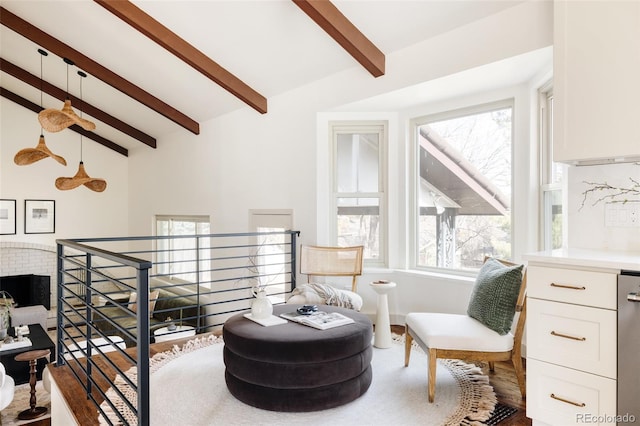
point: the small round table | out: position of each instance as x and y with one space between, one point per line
164 334
382 336
33 356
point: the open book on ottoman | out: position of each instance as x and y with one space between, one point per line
320 320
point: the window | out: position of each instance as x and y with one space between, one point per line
271 256
183 258
463 187
552 175
358 182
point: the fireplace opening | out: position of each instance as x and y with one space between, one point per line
28 290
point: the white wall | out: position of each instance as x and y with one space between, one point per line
245 161
587 227
79 212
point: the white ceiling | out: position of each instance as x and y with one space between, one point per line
272 45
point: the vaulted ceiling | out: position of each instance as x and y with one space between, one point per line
157 67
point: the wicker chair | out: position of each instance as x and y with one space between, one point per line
317 261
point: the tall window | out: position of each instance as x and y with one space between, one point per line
183 258
271 256
359 196
463 187
552 175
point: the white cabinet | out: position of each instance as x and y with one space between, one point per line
596 83
571 344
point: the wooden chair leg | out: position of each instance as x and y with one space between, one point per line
408 339
492 366
433 364
517 365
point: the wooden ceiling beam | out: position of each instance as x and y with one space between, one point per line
87 64
58 93
90 135
164 37
334 23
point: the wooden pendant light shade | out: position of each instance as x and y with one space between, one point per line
28 156
81 178
53 120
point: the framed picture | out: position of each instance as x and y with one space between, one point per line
39 216
7 217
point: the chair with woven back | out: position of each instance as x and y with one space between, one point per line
491 331
327 262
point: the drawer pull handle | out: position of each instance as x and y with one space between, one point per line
577 404
566 336
571 287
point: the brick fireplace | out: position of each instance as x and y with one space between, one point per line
18 258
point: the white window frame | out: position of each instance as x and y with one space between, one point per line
414 167
266 220
547 183
366 126
197 219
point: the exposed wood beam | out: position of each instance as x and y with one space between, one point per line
330 19
163 36
58 93
90 135
87 64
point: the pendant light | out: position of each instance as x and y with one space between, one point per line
81 177
28 156
53 120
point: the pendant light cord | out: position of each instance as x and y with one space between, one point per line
42 53
81 105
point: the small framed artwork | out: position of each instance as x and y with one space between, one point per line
39 216
7 217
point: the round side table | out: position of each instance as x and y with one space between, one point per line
32 356
382 336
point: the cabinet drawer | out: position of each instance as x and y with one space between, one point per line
587 288
562 396
579 337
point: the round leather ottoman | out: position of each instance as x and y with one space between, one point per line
293 367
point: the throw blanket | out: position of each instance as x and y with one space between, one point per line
319 293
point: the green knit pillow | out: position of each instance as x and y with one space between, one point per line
495 295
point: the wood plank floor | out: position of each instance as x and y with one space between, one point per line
503 380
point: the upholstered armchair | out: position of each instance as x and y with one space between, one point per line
490 331
7 388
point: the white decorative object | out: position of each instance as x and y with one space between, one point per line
268 321
163 334
382 338
261 307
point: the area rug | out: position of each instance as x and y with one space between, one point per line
187 387
21 397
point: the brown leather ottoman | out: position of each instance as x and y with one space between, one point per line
292 367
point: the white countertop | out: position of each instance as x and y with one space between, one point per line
607 259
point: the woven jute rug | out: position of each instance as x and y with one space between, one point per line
187 387
21 398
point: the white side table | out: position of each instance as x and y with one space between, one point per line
164 334
382 337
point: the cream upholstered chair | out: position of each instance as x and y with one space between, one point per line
7 389
318 261
458 336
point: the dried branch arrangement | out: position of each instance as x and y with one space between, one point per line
605 193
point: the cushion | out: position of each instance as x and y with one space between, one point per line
495 295
456 332
153 296
324 294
